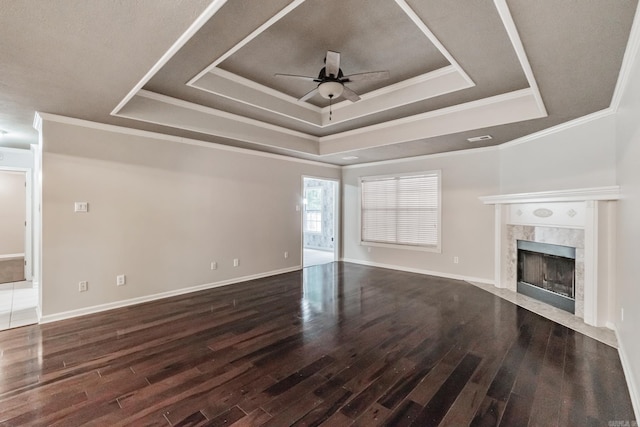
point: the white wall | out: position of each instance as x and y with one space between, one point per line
467 224
160 212
628 225
581 156
12 212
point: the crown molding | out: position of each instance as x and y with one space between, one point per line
468 151
431 114
630 54
211 10
514 37
239 89
275 18
189 141
559 128
255 86
493 111
433 39
222 114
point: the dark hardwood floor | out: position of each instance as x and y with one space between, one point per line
332 345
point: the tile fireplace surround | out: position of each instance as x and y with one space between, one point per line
583 219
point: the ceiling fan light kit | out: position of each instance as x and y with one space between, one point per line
331 80
330 90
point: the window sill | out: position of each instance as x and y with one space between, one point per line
434 249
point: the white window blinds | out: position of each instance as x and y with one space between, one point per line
401 210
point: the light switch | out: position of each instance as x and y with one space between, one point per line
81 207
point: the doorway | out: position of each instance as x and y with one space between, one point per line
319 221
18 296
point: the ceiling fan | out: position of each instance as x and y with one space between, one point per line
331 80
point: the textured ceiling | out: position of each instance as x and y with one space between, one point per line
458 69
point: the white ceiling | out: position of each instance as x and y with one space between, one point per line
205 69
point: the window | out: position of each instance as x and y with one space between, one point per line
313 210
401 210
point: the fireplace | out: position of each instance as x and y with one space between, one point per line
546 272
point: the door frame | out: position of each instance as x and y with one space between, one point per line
336 216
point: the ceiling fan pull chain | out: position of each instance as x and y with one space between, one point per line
330 112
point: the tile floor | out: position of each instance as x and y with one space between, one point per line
18 302
316 257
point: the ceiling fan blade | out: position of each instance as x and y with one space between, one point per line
373 75
332 65
295 76
350 95
309 95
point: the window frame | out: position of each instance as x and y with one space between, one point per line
315 211
437 248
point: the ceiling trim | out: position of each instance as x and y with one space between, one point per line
211 10
162 136
172 112
176 113
559 128
510 107
429 34
630 53
394 95
256 86
434 113
514 37
223 114
435 83
389 90
496 110
275 18
501 109
429 85
471 150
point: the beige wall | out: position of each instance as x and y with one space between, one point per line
160 212
628 225
467 224
12 212
581 156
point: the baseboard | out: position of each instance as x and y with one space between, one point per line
124 303
8 257
419 271
634 391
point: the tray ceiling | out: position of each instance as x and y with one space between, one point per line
458 69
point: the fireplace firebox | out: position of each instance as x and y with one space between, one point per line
547 273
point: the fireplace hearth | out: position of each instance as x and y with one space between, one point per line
547 272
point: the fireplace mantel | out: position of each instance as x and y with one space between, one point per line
588 211
578 195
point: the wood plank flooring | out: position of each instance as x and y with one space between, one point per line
332 345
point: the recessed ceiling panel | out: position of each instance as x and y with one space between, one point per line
297 43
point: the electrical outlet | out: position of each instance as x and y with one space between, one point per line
236 262
214 265
121 280
286 255
83 286
456 260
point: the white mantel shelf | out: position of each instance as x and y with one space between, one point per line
578 195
